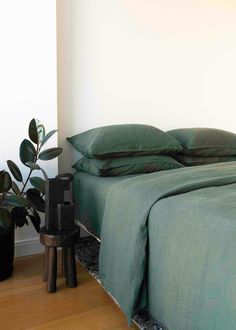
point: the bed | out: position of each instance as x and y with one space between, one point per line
187 235
168 242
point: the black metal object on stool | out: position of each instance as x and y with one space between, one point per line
65 213
59 231
54 195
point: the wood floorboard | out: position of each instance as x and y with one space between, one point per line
25 304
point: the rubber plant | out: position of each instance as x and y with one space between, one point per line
21 199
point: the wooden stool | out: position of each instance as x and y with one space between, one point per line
52 240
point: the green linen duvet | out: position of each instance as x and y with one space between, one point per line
168 242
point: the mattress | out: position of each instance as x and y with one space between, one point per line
90 194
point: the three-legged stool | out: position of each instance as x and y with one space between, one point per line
52 240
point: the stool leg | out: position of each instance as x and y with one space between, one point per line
70 266
62 262
52 269
45 264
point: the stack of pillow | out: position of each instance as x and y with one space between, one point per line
125 149
205 145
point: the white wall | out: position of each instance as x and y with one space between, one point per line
167 63
27 84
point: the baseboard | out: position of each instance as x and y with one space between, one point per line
28 247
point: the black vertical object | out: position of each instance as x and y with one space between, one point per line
7 240
65 216
52 269
54 195
70 266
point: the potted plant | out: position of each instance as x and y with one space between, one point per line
21 199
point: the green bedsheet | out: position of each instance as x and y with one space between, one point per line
90 195
174 231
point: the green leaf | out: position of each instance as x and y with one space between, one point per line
27 152
15 188
5 218
37 202
17 201
33 131
50 153
41 130
19 215
15 171
47 137
33 166
5 182
38 183
36 131
35 219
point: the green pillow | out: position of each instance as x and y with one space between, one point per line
205 141
198 160
126 165
124 140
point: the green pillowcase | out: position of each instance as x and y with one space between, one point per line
126 165
205 141
198 160
124 140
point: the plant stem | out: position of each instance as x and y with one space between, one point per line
31 170
26 181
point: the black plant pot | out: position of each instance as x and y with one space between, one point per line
7 240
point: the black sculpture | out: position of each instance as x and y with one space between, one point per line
59 215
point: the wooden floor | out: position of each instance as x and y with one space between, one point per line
25 304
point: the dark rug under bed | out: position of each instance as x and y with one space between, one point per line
87 251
